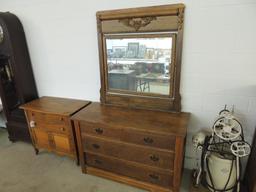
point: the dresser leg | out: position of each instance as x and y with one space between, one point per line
77 162
84 169
36 151
12 139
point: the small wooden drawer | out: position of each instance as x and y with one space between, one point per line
149 139
48 122
100 130
130 152
152 175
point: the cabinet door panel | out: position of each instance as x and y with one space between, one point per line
41 138
62 143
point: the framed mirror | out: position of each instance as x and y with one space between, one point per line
140 64
140 57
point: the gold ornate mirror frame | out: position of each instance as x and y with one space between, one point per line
145 22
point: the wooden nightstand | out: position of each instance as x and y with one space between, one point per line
50 126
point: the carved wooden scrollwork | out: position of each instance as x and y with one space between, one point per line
137 23
180 19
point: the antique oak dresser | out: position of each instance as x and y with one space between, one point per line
50 126
135 146
136 134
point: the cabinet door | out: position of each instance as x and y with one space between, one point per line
62 143
41 138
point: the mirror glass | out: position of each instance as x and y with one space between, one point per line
139 64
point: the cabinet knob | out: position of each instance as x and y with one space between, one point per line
153 176
154 158
148 140
99 130
96 146
62 129
32 124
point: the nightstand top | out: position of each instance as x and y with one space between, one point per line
55 105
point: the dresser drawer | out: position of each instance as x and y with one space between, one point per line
152 175
48 122
130 152
100 130
129 135
149 139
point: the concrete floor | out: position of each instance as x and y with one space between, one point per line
22 171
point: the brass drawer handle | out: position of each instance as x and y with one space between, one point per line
99 130
97 161
62 129
148 140
154 158
96 146
153 176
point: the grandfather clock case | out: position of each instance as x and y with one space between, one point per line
17 84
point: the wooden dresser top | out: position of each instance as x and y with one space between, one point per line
147 120
55 105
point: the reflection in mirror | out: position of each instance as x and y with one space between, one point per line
139 64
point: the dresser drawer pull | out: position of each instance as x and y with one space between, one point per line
96 146
154 158
148 140
62 129
153 176
99 130
97 161
32 124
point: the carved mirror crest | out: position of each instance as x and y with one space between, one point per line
140 56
